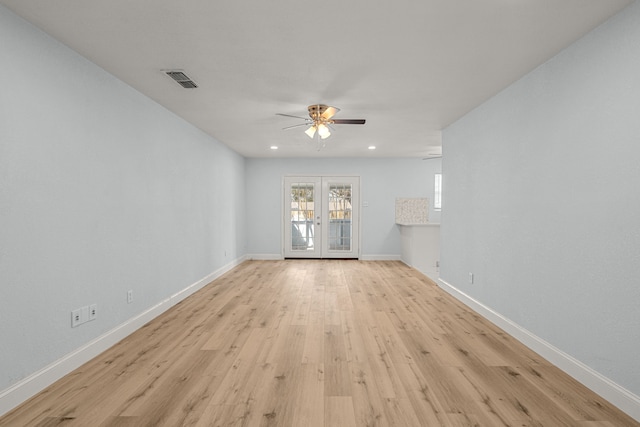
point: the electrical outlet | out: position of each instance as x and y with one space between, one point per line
129 296
93 312
84 314
76 318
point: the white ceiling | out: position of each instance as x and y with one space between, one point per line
410 67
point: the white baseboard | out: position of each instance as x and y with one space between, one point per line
603 386
265 257
39 380
433 274
381 257
277 257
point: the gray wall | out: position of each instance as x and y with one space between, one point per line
541 201
101 191
381 181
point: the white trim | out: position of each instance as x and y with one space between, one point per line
320 181
437 191
39 380
381 257
284 223
609 390
433 275
278 257
265 257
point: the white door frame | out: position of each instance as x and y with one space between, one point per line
321 247
307 228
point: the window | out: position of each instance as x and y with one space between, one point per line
437 194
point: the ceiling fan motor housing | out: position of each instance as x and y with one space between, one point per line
321 113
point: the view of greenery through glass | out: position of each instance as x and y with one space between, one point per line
340 210
302 213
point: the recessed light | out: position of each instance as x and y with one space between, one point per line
372 147
274 147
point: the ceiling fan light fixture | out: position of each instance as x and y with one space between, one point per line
311 131
323 131
320 118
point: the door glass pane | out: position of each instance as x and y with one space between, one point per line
302 215
340 230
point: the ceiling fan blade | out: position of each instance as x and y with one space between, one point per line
329 112
295 126
348 121
295 117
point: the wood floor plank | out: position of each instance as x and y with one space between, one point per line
339 412
309 408
314 339
368 399
337 379
399 412
425 404
354 347
394 345
570 396
247 367
303 305
186 388
318 343
121 422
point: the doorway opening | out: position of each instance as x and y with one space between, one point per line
321 217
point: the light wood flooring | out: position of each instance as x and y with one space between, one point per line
318 343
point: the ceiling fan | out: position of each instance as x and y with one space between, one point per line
320 119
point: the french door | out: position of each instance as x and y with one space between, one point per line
321 216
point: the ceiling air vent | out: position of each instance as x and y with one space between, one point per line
182 79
